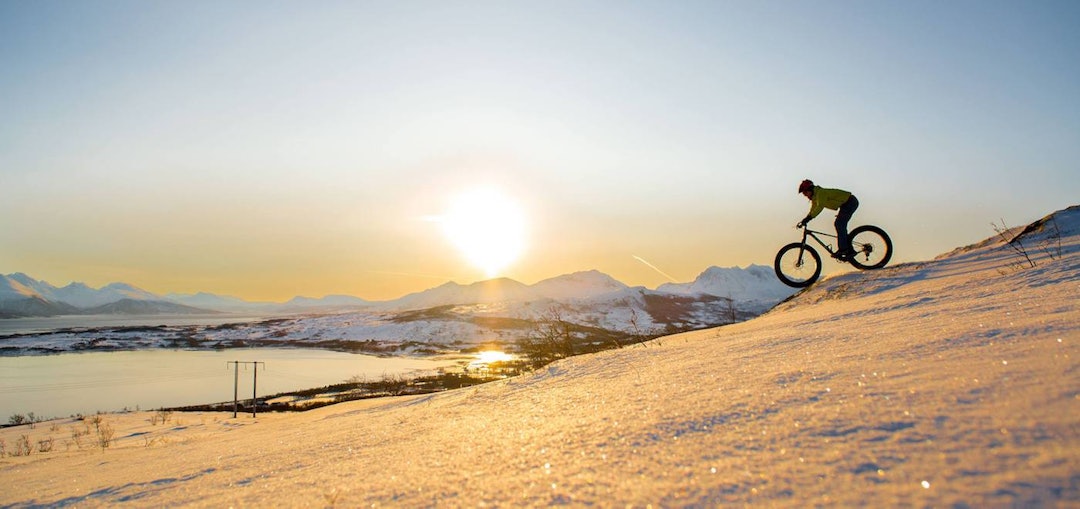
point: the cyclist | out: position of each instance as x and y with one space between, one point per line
834 199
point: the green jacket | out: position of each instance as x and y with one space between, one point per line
826 199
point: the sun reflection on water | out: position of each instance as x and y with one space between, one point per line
488 357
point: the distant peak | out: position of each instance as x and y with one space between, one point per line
499 281
120 286
22 278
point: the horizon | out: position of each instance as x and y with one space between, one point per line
480 281
272 150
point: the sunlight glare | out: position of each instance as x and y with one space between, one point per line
487 227
490 356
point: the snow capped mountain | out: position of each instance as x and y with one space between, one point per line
754 283
15 287
331 300
130 292
497 311
21 295
490 291
579 285
20 285
590 293
80 295
144 307
327 304
211 301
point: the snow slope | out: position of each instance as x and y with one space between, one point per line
947 383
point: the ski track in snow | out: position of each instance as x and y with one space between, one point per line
950 382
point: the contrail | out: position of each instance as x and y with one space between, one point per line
653 267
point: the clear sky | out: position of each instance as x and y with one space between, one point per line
269 149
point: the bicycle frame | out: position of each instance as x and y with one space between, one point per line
807 232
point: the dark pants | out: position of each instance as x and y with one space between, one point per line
846 210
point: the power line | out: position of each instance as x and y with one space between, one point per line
236 384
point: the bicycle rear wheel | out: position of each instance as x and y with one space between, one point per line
873 247
797 265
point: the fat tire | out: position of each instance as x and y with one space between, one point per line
885 244
814 258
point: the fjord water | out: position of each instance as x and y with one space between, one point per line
84 383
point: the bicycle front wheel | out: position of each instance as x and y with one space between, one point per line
873 247
797 265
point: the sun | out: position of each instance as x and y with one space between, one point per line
487 227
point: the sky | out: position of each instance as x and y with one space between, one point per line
271 149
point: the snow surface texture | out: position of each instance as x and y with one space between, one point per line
947 383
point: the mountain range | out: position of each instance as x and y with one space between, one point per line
22 295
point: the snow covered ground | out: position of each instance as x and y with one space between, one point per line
947 383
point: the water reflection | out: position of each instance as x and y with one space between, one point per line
74 383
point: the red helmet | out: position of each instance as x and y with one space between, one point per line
805 186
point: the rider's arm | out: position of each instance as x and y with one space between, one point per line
816 206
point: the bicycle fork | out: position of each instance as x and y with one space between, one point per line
802 249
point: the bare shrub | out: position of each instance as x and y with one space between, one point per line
394 385
78 432
1052 245
104 435
46 444
161 416
22 446
550 339
1015 244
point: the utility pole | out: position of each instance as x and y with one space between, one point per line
236 384
254 384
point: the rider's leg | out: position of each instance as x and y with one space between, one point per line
842 239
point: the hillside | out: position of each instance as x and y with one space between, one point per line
946 383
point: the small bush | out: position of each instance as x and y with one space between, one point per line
46 445
550 340
77 434
1015 244
22 446
105 436
161 416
